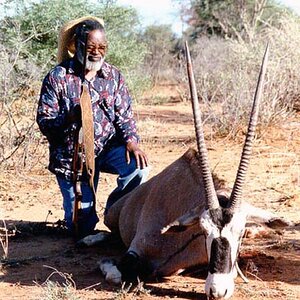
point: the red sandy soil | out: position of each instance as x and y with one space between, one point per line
271 262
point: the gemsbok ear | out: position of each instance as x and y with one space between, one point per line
264 217
181 224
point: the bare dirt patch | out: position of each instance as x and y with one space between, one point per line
272 263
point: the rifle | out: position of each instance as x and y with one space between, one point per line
77 164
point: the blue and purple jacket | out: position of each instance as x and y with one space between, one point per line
111 104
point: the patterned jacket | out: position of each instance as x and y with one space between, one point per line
111 105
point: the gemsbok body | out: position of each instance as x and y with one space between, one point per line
182 217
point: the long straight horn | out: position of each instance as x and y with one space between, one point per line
210 193
236 195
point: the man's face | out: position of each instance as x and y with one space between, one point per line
95 51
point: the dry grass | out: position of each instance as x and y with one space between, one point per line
226 73
130 292
64 289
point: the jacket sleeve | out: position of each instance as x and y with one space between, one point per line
124 121
51 118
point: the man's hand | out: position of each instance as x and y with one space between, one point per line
140 156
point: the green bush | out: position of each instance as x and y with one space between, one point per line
159 62
33 31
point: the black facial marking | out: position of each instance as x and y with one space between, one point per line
133 267
220 256
220 216
224 201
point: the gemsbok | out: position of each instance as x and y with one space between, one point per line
182 218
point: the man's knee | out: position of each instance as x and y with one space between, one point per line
143 174
126 184
135 178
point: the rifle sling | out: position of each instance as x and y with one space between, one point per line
88 135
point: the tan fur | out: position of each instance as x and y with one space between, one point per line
140 215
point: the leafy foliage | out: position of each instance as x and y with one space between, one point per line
160 41
236 19
35 26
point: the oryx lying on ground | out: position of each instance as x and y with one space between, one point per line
182 218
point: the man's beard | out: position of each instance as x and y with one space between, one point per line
94 65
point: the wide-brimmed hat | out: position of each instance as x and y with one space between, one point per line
66 41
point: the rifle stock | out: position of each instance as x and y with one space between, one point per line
77 172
